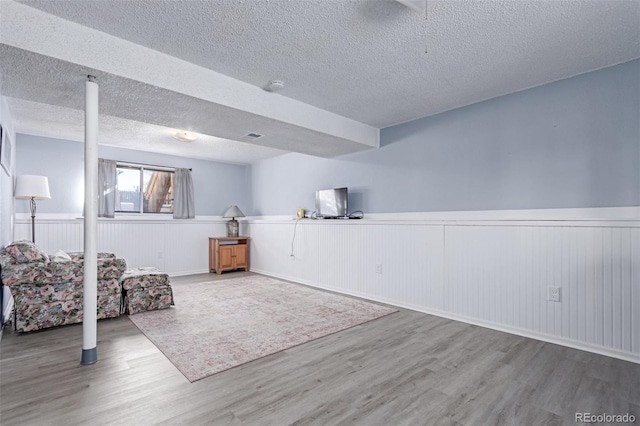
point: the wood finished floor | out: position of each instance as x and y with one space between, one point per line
405 368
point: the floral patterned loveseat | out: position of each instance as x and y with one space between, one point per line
48 291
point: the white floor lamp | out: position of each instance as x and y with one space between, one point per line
32 187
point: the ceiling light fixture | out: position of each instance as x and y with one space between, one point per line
274 86
184 136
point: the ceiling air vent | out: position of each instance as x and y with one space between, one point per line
252 136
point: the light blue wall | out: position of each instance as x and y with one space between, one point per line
216 185
572 143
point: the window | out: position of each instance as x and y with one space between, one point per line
144 189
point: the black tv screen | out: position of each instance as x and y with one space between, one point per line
331 202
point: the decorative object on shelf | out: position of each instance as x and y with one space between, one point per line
233 228
32 187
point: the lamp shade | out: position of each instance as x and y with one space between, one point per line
233 211
32 186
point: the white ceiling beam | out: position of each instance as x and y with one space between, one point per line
30 29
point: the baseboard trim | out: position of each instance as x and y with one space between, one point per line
183 273
625 356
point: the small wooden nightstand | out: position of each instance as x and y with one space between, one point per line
226 253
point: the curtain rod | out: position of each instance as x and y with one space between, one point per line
126 163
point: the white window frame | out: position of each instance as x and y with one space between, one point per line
142 167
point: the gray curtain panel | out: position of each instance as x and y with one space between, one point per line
106 188
184 200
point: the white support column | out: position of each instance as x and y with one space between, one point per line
90 304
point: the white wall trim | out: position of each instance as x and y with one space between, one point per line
66 217
194 272
598 215
573 214
578 214
487 324
578 223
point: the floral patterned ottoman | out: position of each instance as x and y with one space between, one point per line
145 289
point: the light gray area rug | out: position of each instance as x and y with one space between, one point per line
219 325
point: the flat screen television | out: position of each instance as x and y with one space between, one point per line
331 203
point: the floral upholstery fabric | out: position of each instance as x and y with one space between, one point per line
31 317
145 289
48 294
101 255
41 293
148 299
59 272
26 251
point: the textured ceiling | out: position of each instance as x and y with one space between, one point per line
68 123
363 60
55 82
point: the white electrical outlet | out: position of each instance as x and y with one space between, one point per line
553 294
378 268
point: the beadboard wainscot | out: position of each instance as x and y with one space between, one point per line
489 268
175 246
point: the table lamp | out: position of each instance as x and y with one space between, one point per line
232 226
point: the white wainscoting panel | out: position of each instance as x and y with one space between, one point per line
389 261
177 247
500 274
492 274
